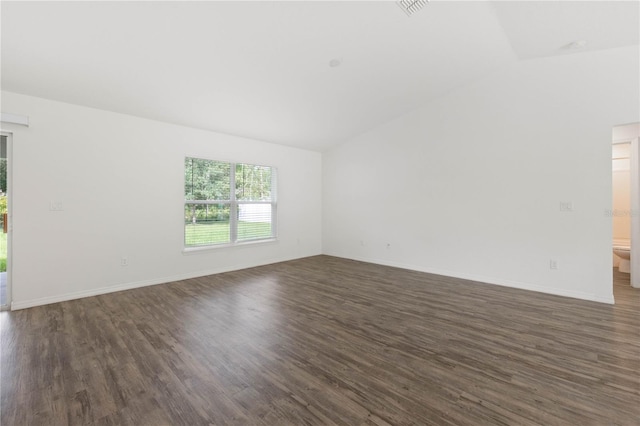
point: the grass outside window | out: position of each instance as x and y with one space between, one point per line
218 232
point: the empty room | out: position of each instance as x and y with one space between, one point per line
320 213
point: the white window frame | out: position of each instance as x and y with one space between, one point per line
233 210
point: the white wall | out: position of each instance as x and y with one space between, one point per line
120 180
471 184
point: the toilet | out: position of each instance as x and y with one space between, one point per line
622 249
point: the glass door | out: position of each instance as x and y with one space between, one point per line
5 291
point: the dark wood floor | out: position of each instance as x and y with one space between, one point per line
322 341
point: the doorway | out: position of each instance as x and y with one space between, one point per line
626 167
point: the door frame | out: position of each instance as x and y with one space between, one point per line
9 136
631 134
635 212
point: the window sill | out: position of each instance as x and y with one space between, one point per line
200 249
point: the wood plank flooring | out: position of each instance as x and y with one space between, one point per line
321 341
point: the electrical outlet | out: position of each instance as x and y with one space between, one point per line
124 261
388 246
553 264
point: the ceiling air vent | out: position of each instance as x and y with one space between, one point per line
412 6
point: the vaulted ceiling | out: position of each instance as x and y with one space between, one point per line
263 69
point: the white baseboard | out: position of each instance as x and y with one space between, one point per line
129 286
164 280
487 280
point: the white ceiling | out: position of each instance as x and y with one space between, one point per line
261 69
537 29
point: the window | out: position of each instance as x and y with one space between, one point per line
228 203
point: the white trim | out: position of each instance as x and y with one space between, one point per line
203 248
130 286
9 294
479 279
22 120
635 209
165 280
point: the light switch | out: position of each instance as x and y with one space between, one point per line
566 206
56 206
